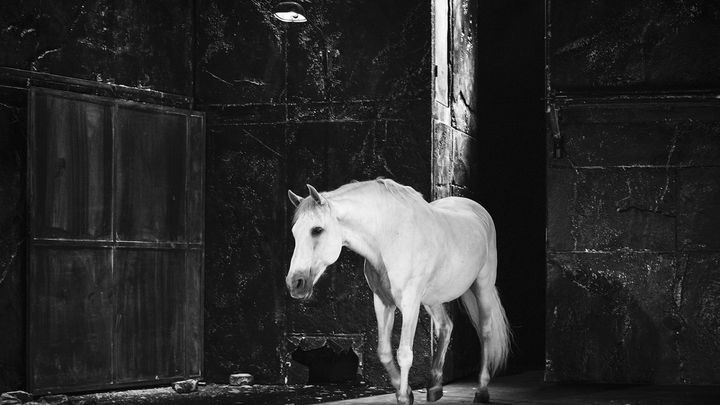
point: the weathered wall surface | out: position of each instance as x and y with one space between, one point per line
323 103
133 43
633 192
12 238
144 45
644 45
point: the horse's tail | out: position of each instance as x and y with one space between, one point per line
500 334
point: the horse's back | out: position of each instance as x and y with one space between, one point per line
462 207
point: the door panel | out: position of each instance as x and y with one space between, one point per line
73 169
150 176
193 312
195 204
69 308
150 305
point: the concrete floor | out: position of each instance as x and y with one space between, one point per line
528 388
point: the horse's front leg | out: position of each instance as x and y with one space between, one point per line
385 315
410 308
444 327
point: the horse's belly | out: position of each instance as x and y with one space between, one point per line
451 281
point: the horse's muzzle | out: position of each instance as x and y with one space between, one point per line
299 286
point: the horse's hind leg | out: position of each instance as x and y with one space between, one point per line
410 308
481 321
385 318
444 329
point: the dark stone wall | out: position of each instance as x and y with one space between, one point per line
133 43
144 45
342 97
633 189
618 45
12 238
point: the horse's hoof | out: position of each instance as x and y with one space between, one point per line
408 401
482 396
434 393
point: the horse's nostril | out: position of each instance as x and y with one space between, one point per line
299 283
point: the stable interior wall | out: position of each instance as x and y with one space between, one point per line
342 97
633 192
140 45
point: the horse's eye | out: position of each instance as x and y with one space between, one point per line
316 231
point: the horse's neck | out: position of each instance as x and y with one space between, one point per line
364 222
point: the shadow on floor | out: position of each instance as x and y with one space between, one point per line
528 388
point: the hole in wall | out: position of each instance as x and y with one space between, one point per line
318 359
329 365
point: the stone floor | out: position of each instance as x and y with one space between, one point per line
528 388
522 389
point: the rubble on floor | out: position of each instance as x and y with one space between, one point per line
241 379
220 394
185 386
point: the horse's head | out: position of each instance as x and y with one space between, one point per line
318 242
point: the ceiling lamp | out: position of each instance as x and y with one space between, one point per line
290 11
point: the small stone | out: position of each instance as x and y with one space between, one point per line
9 400
185 386
55 400
241 379
84 402
19 397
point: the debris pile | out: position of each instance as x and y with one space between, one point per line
241 379
185 386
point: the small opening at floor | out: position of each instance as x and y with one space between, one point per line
328 366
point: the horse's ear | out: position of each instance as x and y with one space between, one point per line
294 198
315 195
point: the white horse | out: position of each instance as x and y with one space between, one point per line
415 253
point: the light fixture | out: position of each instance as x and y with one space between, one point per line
290 11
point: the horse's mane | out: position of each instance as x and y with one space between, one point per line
403 193
390 188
